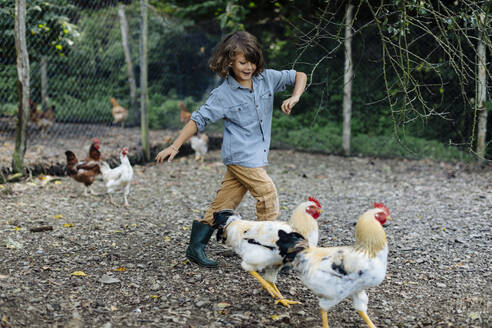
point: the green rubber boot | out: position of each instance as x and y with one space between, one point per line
200 235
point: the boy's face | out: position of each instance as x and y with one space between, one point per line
243 70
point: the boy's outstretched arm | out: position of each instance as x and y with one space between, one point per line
299 87
186 133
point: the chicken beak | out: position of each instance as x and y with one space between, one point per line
320 210
389 218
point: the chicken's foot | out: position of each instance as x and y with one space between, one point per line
324 318
265 284
110 198
366 319
281 299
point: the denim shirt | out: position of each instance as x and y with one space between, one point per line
247 116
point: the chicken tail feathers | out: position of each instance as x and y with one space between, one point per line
220 221
290 244
70 155
71 162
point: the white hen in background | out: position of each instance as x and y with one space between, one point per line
118 178
200 145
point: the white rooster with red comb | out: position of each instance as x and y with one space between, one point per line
255 241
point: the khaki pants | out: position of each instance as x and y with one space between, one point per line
236 182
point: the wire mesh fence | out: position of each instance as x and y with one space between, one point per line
84 75
84 80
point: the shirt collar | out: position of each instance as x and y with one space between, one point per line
235 84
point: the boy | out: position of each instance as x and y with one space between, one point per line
245 102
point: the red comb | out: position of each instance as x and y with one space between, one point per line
381 206
95 140
314 200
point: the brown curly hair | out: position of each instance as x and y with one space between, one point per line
232 44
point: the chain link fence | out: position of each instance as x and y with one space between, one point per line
84 62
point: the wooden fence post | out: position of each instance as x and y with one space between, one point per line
144 97
482 89
22 86
129 63
347 82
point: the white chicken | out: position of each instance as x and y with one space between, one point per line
200 145
119 177
254 241
336 273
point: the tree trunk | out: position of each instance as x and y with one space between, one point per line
144 99
347 81
22 86
44 82
481 93
129 64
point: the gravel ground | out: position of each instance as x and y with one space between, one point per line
136 274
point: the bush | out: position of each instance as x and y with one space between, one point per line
409 147
8 109
327 138
164 112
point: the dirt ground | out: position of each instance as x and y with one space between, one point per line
105 265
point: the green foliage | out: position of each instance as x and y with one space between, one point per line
182 37
409 147
8 109
164 112
8 85
95 109
49 30
230 20
326 137
293 131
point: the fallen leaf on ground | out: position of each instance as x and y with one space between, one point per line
120 269
78 273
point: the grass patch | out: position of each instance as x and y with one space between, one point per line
329 140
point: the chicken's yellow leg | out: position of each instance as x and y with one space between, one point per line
324 318
366 319
281 299
264 284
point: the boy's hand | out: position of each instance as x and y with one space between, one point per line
169 151
288 104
